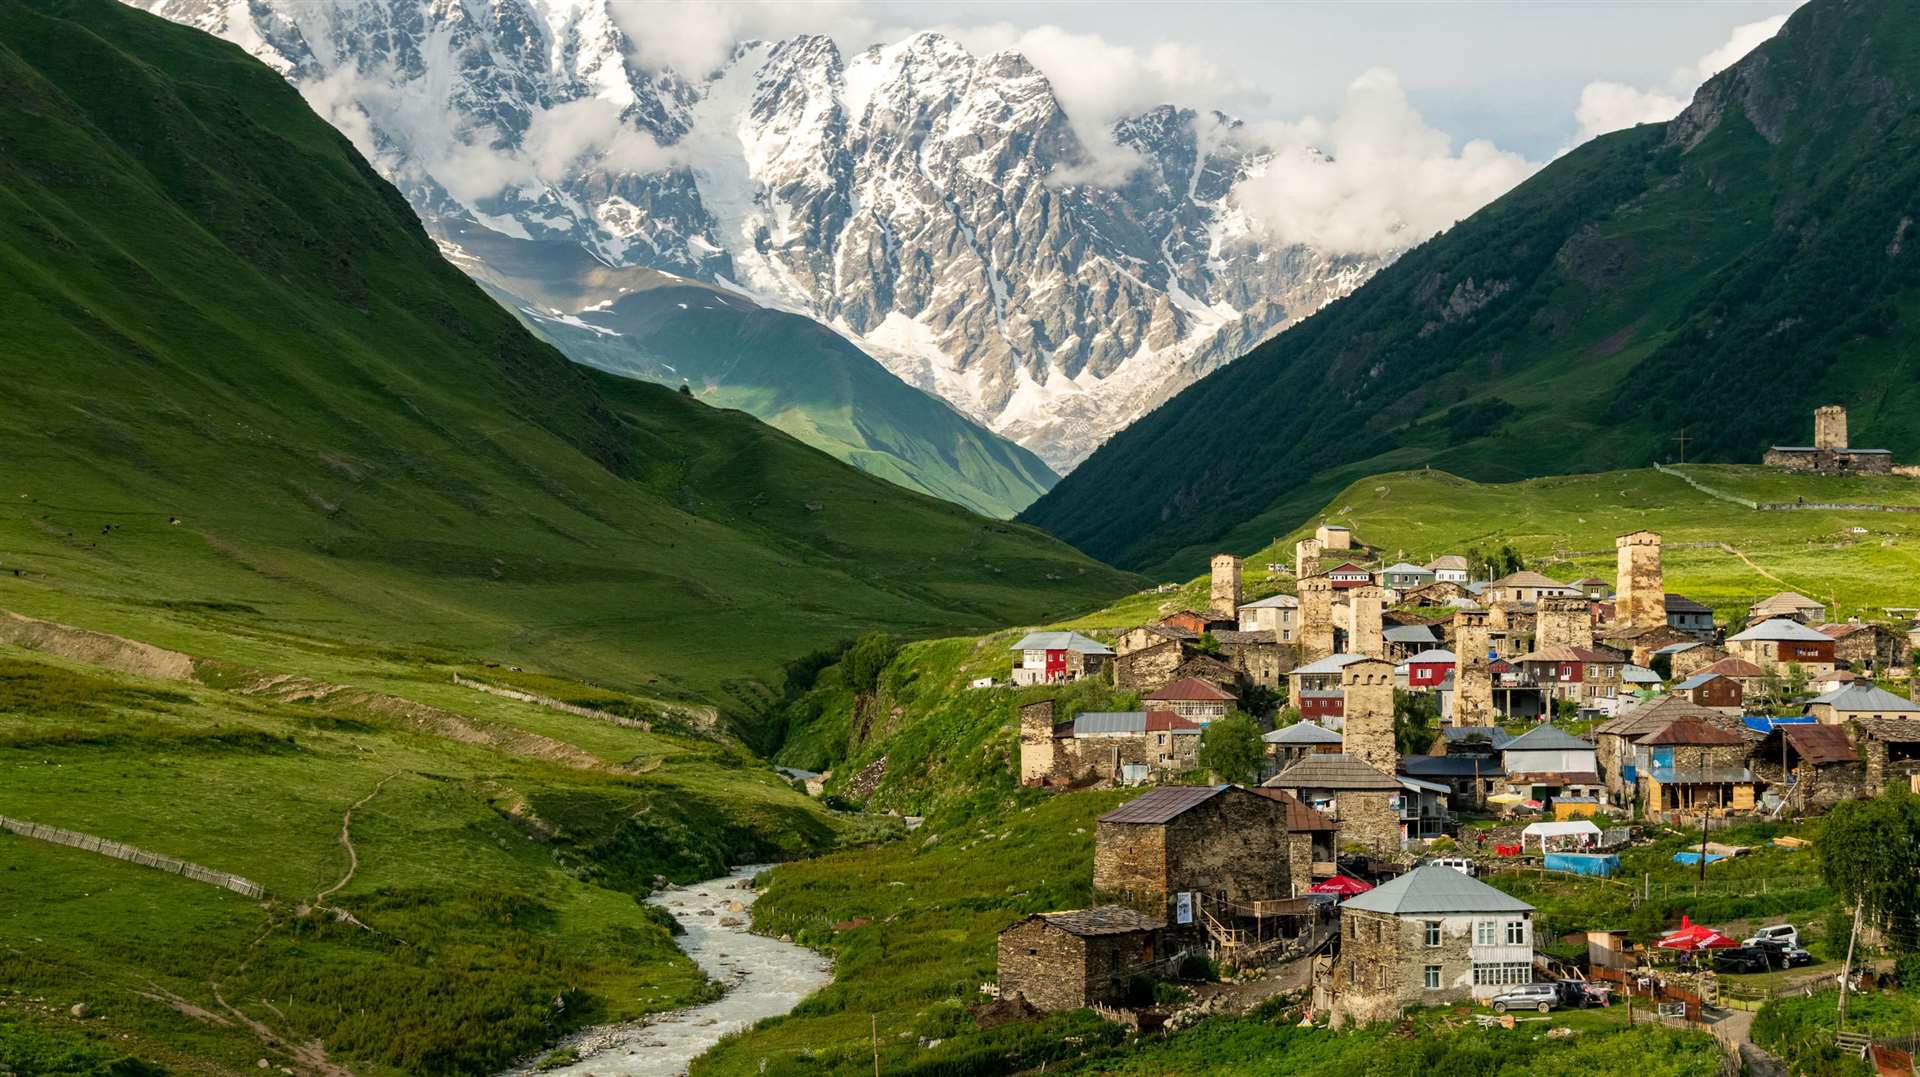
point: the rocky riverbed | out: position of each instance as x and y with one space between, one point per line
764 977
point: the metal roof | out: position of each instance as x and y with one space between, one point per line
1819 744
1409 634
1404 568
1303 733
1092 723
1060 641
1282 602
1437 654
1638 674
1452 766
1782 628
1547 738
1695 681
1333 663
1433 889
1862 698
1162 804
1737 668
1691 729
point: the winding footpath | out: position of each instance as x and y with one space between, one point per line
764 977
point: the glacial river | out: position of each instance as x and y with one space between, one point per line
764 978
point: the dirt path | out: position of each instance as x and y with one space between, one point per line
346 841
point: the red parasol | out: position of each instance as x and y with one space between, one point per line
1694 937
1342 885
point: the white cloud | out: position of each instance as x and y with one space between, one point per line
1375 180
694 38
1613 106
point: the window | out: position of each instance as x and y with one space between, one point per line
1485 933
1433 932
1379 931
1502 974
1516 932
1432 980
1382 984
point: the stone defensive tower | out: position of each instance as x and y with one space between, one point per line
1316 619
1564 622
1036 742
1367 635
1306 558
1225 599
1368 729
1640 596
1830 428
1472 680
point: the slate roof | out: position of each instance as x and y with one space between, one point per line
1188 688
1863 698
1691 729
1060 641
1653 714
1900 730
1236 638
1101 920
1333 663
1546 738
1332 771
1785 629
1163 803
1300 818
1430 889
1785 602
1303 733
1821 744
1451 561
1683 604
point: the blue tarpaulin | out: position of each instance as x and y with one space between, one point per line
1602 864
1694 858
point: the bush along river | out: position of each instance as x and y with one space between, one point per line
764 977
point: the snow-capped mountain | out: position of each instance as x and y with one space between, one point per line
934 205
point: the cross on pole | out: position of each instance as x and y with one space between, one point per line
1683 439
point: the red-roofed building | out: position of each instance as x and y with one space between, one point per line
1192 698
1349 576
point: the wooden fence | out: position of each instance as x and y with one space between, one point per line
550 702
134 855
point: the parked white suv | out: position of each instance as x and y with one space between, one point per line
1461 864
1784 934
1542 997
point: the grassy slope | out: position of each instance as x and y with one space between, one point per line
1635 287
947 746
491 881
787 370
217 313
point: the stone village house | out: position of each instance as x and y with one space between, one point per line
1430 937
1070 960
1058 657
1224 846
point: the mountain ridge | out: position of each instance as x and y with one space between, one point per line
1751 251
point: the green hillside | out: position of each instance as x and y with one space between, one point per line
247 399
787 370
1717 276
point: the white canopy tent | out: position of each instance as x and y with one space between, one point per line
1573 833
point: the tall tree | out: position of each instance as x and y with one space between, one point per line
1231 748
1870 856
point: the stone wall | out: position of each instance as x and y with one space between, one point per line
1235 843
1265 664
1036 742
1694 659
1366 634
1368 728
1316 619
1058 970
1563 622
1148 669
1640 589
1224 596
1383 962
1472 680
1367 819
1830 427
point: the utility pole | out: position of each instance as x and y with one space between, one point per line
1706 817
1846 971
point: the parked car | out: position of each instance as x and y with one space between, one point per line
1783 955
1742 959
1542 997
1785 934
1461 864
1575 993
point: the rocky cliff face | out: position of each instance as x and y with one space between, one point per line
933 205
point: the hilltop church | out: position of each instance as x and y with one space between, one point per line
1829 454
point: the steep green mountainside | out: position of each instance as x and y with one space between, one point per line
1718 275
785 369
949 749
246 397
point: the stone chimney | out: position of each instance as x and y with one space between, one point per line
1036 742
1472 680
1225 600
1830 428
1366 634
1640 594
1316 619
1564 622
1368 724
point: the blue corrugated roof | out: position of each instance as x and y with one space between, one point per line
1761 723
